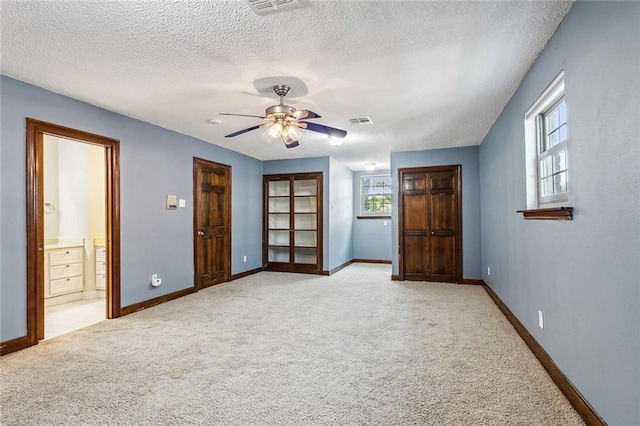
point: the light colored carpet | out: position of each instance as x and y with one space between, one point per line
273 349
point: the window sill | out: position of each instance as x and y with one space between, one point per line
553 213
374 217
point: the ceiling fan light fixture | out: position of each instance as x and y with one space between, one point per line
283 121
265 135
293 131
275 131
288 139
370 166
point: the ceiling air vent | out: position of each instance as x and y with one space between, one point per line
264 7
361 120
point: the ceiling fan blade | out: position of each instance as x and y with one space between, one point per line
292 144
302 114
239 132
241 115
330 131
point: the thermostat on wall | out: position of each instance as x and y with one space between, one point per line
172 202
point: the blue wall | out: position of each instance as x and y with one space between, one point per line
468 158
340 214
371 237
583 274
154 162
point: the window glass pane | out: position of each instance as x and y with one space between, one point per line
545 167
563 133
552 121
305 255
553 138
278 205
304 187
376 195
559 160
546 186
377 203
305 204
560 183
278 221
278 188
378 185
562 113
305 238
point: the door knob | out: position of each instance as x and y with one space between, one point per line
433 233
200 233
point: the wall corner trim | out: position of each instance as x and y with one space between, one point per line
579 403
155 301
337 268
245 273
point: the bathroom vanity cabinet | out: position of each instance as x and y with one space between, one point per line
64 271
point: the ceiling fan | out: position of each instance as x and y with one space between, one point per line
284 122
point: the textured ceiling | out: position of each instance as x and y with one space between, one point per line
428 74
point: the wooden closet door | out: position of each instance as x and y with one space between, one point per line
442 211
415 226
292 239
430 224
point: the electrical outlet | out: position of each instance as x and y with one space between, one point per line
540 320
489 270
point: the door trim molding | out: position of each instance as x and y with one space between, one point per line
201 161
401 172
36 130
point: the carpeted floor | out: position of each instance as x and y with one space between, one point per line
275 349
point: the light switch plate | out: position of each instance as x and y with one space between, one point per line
172 202
182 203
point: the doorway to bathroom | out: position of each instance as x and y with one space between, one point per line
73 247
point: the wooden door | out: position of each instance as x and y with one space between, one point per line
212 223
430 224
292 240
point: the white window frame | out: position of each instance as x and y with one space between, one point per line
362 195
549 98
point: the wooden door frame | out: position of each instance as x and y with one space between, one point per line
291 177
401 172
36 130
196 199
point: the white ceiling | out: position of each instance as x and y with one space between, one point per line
429 74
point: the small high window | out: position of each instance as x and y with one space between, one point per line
375 195
546 137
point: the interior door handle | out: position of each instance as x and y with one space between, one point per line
433 232
200 233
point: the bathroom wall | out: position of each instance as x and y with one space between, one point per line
73 189
51 188
74 182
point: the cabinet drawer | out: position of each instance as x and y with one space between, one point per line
101 268
65 285
101 254
101 282
64 271
69 255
